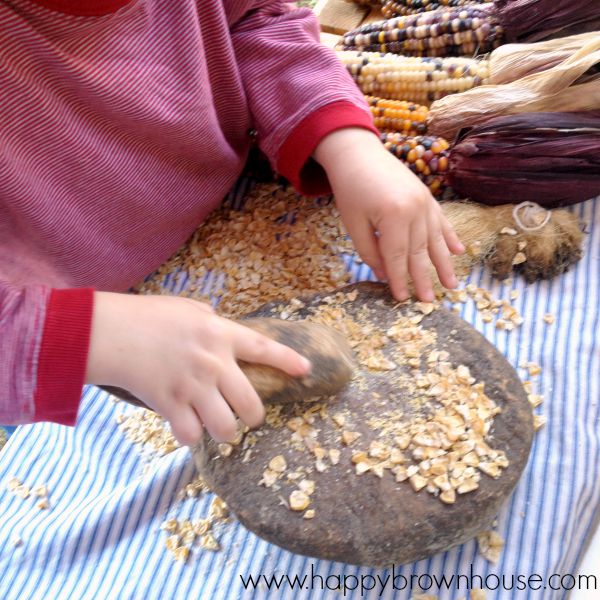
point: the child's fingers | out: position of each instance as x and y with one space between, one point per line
452 241
254 347
186 425
215 413
418 261
367 245
200 305
380 273
393 243
440 254
242 397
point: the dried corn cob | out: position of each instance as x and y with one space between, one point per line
534 20
400 8
421 80
407 118
550 158
463 31
426 156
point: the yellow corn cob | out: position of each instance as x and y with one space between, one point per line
462 31
426 156
398 8
421 80
407 118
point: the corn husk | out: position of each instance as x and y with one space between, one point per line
562 88
514 61
534 20
548 158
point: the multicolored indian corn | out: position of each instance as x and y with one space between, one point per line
464 31
413 79
404 117
400 8
426 156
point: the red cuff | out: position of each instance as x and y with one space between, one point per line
84 8
295 162
63 355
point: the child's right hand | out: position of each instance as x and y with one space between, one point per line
179 357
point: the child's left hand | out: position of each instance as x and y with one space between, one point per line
397 226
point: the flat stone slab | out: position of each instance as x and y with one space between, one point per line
375 517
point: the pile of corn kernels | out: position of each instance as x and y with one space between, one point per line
442 450
281 246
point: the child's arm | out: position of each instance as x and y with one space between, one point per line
376 193
315 126
44 337
297 90
180 358
175 353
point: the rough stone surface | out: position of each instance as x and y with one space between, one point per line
364 519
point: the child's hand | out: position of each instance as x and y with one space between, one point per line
397 227
179 357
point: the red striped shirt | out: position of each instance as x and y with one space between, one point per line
122 125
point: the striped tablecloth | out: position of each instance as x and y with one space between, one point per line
100 538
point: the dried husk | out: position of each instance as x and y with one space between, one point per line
548 158
561 88
514 61
533 20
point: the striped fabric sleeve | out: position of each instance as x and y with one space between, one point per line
291 79
44 338
295 162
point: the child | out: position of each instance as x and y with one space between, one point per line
123 124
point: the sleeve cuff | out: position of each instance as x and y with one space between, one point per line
62 360
84 8
295 162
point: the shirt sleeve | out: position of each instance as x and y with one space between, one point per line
44 340
298 91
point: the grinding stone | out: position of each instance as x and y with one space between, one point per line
364 519
327 350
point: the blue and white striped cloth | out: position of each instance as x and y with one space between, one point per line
101 537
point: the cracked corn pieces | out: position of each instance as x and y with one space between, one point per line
433 430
